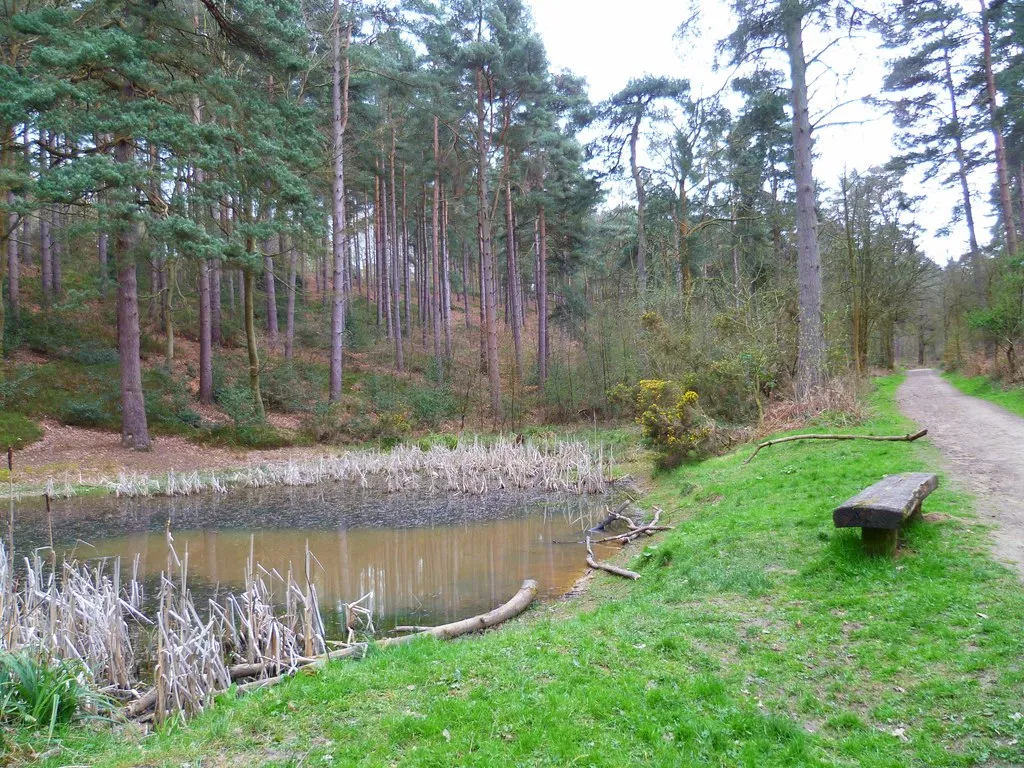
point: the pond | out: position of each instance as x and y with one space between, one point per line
426 558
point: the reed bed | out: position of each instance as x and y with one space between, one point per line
469 468
173 662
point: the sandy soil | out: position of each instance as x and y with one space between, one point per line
68 451
983 449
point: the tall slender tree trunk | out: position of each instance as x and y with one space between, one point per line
389 235
641 209
446 286
1002 168
13 266
102 250
512 267
270 288
340 75
406 256
486 255
542 296
435 284
205 283
215 334
289 332
56 231
810 371
26 244
249 280
134 428
961 160
205 335
465 281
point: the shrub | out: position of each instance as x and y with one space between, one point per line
445 440
17 431
432 406
238 404
91 412
285 388
671 420
38 692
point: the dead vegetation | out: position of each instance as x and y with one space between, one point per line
839 404
471 468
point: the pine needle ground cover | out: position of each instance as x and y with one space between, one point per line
1009 397
758 635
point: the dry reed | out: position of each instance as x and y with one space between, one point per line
89 613
470 468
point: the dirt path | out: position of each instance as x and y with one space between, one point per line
983 448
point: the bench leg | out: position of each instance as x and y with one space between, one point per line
880 541
915 515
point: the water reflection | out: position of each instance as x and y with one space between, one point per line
427 559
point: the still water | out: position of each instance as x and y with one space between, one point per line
427 559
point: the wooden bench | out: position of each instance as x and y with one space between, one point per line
883 509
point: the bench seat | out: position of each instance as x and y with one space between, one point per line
883 509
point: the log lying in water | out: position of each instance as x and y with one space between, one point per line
520 602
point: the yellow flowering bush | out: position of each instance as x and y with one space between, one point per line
670 417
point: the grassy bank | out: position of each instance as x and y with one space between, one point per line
758 635
1010 398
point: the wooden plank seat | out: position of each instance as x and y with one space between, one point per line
883 509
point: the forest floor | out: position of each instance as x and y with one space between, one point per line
981 448
88 455
758 634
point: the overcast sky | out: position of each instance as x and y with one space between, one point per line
610 41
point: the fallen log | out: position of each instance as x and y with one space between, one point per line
240 671
909 438
613 569
519 603
637 530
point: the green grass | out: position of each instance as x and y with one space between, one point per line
17 430
758 635
1009 397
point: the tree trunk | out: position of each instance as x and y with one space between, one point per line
13 289
961 165
390 234
102 247
26 250
446 286
205 335
435 253
270 286
406 251
1002 169
641 209
465 281
249 277
289 332
168 313
340 74
215 334
810 371
486 255
513 275
134 429
56 247
542 298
